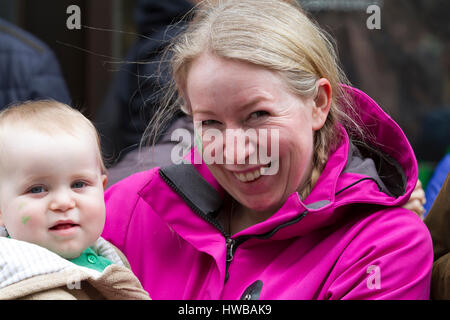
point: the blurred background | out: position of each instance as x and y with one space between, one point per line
84 55
404 65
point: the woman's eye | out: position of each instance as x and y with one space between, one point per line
209 122
78 185
37 189
258 114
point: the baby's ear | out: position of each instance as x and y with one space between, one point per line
104 182
2 225
1 219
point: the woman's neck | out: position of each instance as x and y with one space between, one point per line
243 217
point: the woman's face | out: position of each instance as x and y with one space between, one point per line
228 95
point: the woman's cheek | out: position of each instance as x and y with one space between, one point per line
212 147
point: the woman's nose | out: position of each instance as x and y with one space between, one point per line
240 147
62 201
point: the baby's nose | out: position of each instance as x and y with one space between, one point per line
62 201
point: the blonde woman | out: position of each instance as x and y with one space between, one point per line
319 217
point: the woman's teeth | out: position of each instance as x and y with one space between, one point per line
248 176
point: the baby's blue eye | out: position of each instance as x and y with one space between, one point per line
78 185
37 189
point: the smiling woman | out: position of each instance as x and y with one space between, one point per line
328 215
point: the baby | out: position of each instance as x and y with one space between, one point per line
52 210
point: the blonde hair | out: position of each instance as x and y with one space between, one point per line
273 34
50 117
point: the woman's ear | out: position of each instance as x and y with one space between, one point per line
322 103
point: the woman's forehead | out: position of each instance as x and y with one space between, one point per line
210 79
214 67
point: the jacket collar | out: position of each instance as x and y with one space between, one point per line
349 177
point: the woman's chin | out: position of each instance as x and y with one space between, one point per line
261 207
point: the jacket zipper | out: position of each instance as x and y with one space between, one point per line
234 243
231 243
193 206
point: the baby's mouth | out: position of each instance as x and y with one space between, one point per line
64 225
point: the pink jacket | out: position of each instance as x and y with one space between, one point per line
349 239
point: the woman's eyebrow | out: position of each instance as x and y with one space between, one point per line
254 100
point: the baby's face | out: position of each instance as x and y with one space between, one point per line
51 190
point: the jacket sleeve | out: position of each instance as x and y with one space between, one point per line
121 200
436 182
438 222
440 279
389 258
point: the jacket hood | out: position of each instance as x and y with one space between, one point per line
366 178
384 176
152 15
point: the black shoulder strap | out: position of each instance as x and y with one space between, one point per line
185 180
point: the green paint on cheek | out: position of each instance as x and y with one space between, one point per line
21 205
25 219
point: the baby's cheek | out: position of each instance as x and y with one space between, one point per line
13 219
30 224
25 216
23 228
25 219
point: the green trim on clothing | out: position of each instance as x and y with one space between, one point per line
92 260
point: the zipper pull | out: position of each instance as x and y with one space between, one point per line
230 247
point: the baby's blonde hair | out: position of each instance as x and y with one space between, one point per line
50 117
273 34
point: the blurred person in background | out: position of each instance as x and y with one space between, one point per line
29 69
135 93
436 182
438 222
